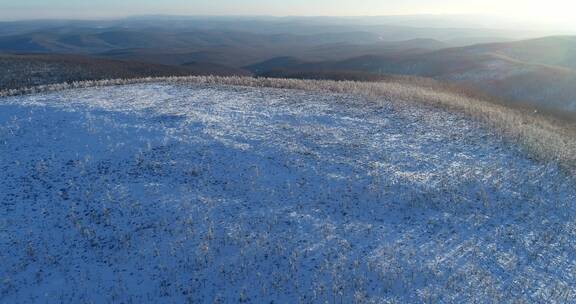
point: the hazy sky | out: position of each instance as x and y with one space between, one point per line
536 10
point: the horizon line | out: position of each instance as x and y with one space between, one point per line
99 18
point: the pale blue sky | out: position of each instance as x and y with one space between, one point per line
550 10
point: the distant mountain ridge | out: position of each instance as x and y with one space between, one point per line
524 71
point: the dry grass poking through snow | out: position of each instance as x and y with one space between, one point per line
200 193
545 136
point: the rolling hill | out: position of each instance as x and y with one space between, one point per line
556 51
389 28
105 40
231 48
520 71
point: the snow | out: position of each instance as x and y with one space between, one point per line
166 193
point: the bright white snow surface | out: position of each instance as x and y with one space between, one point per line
163 193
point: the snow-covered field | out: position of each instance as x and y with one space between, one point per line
164 193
